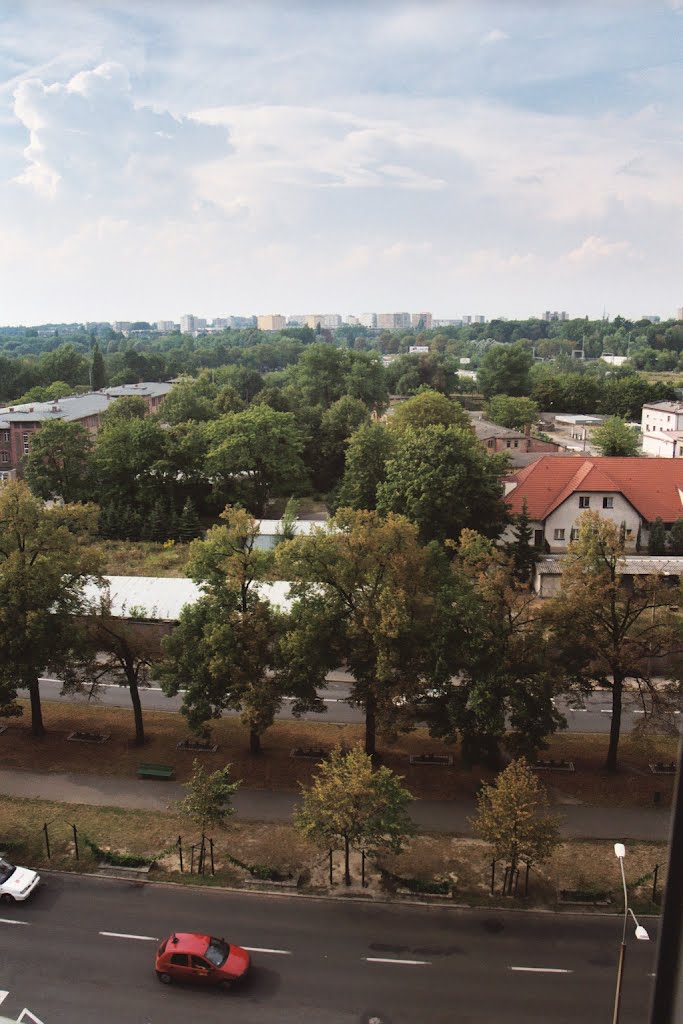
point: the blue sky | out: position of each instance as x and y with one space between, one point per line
499 157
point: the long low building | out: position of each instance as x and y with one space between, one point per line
18 423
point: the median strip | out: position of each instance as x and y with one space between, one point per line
123 935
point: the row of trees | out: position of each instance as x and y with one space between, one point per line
442 633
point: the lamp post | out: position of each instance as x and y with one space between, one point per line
641 933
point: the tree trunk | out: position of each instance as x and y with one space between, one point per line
137 713
347 870
254 742
370 727
37 727
615 725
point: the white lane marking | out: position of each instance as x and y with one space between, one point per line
27 1013
8 920
123 935
383 960
542 970
605 711
3 996
257 949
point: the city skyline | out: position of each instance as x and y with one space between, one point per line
503 158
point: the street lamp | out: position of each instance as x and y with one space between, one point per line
641 933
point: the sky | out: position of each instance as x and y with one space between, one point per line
482 157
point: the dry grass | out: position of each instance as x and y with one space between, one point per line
276 770
585 865
142 558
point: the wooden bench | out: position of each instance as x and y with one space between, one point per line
155 771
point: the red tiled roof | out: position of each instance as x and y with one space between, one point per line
652 486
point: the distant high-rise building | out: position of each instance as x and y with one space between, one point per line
121 326
165 326
270 322
187 323
331 321
479 319
679 314
654 319
393 321
353 320
421 320
554 315
368 319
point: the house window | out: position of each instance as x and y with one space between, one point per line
4 456
4 436
574 535
584 501
516 444
25 442
559 535
508 443
538 538
490 443
629 534
608 502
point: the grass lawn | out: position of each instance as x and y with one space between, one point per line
276 769
142 558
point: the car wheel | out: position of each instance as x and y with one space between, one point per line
164 978
7 897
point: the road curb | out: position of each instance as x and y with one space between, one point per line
355 899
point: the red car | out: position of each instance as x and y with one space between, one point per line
188 956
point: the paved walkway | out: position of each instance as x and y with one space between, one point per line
448 816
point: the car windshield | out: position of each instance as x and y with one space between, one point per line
217 952
6 870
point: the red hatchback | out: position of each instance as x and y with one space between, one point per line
188 956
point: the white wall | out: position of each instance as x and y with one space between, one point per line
566 517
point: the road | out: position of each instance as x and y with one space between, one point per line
593 718
83 950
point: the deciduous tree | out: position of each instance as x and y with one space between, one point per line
58 463
349 805
616 438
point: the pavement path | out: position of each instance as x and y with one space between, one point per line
446 816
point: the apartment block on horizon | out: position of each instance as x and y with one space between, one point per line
270 322
393 321
421 320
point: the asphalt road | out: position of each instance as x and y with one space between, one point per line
594 718
83 951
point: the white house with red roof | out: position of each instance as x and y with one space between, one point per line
632 492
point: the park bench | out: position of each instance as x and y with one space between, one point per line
155 771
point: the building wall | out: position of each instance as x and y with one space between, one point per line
565 518
661 419
661 447
521 444
271 322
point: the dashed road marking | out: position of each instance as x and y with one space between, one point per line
3 996
8 920
123 935
388 960
257 949
543 970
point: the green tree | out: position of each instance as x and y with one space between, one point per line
504 370
208 803
58 461
337 424
608 630
512 818
520 547
44 566
224 651
128 462
616 438
123 648
656 544
255 455
514 413
189 527
676 537
367 452
351 806
428 409
442 479
128 407
98 370
189 400
495 646
370 583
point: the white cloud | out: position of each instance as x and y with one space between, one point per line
595 249
496 35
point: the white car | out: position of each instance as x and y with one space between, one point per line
16 883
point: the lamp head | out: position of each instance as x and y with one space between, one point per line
641 933
619 850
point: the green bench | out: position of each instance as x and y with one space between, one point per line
155 771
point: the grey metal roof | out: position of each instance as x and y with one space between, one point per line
485 429
665 406
79 407
162 598
631 565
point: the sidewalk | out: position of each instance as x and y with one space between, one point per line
448 816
